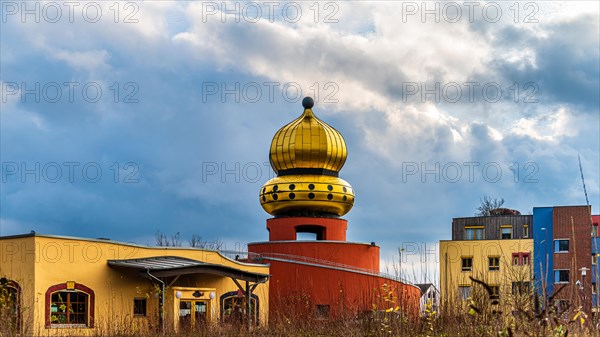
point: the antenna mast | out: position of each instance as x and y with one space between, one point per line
587 202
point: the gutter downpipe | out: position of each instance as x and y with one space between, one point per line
161 304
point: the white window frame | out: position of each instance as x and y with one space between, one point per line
562 282
557 246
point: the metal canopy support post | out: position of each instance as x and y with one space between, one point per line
248 294
247 291
161 302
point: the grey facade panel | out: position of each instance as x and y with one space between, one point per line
492 226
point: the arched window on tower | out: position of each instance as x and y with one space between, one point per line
310 232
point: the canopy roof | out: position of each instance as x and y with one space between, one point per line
167 266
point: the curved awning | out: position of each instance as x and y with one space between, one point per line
168 266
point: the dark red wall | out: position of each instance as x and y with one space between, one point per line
296 289
344 276
358 255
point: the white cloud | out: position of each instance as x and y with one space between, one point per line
551 127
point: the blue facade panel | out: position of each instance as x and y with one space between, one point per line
595 251
543 248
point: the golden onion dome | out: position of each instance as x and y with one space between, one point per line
307 155
307 143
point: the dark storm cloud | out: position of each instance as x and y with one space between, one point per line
566 61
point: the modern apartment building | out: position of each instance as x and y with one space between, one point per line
595 254
564 254
554 251
497 250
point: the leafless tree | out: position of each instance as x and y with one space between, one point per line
488 205
176 240
161 239
196 241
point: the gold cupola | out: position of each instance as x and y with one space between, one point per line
307 155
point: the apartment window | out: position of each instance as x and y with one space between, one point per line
506 232
595 230
594 288
561 246
139 307
525 231
494 263
69 305
467 264
474 233
520 288
520 259
495 292
562 305
561 276
594 259
464 292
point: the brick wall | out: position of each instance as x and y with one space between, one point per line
573 223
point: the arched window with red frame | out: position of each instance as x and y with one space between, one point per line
69 305
10 307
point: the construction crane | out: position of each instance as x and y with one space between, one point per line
587 202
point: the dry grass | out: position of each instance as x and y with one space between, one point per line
525 315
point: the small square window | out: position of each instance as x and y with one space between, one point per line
139 307
520 259
495 294
515 259
322 311
464 292
494 263
561 246
506 233
525 231
525 259
467 264
561 276
473 233
520 288
561 305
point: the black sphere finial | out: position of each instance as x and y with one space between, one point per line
308 102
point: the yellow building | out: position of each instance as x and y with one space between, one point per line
497 250
54 285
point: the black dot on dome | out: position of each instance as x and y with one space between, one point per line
344 189
292 196
292 187
311 187
329 187
344 198
264 199
329 196
311 196
275 197
308 102
275 188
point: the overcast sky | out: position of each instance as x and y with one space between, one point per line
121 119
